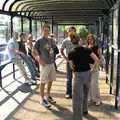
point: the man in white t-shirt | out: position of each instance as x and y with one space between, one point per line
68 46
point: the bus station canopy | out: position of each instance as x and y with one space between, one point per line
60 11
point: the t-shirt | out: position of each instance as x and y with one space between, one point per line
67 44
22 47
13 44
44 48
95 51
80 58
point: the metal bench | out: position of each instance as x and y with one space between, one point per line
2 65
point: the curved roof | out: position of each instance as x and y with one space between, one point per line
60 11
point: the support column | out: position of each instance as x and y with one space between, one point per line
112 60
11 20
52 25
21 24
30 24
117 97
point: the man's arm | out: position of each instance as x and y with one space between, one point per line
62 50
37 56
12 49
62 53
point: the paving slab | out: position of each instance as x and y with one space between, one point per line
31 109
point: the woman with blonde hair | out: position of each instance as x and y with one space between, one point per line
94 85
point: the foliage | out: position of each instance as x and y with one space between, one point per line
80 29
83 32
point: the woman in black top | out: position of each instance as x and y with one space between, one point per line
94 85
79 62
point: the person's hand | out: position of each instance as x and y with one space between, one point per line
42 62
39 60
21 53
66 58
89 46
92 68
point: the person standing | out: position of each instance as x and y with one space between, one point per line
68 46
94 85
78 60
44 54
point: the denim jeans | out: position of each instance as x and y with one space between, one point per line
31 65
69 80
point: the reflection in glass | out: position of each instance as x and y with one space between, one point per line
17 24
4 29
4 36
38 29
34 29
25 25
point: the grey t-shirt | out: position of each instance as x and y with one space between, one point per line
44 48
67 44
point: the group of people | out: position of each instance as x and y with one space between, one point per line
17 54
81 62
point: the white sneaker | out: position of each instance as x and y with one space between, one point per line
33 82
50 99
30 82
98 103
45 103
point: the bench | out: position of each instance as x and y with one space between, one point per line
2 65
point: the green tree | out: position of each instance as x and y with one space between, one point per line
83 32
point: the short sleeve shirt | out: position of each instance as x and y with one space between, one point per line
13 44
67 44
95 51
80 58
44 47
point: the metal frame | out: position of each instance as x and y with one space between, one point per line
118 66
112 61
30 7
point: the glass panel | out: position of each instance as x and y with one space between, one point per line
5 33
4 29
115 28
26 25
34 29
1 3
8 4
38 29
17 24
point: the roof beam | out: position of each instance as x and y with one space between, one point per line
43 4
